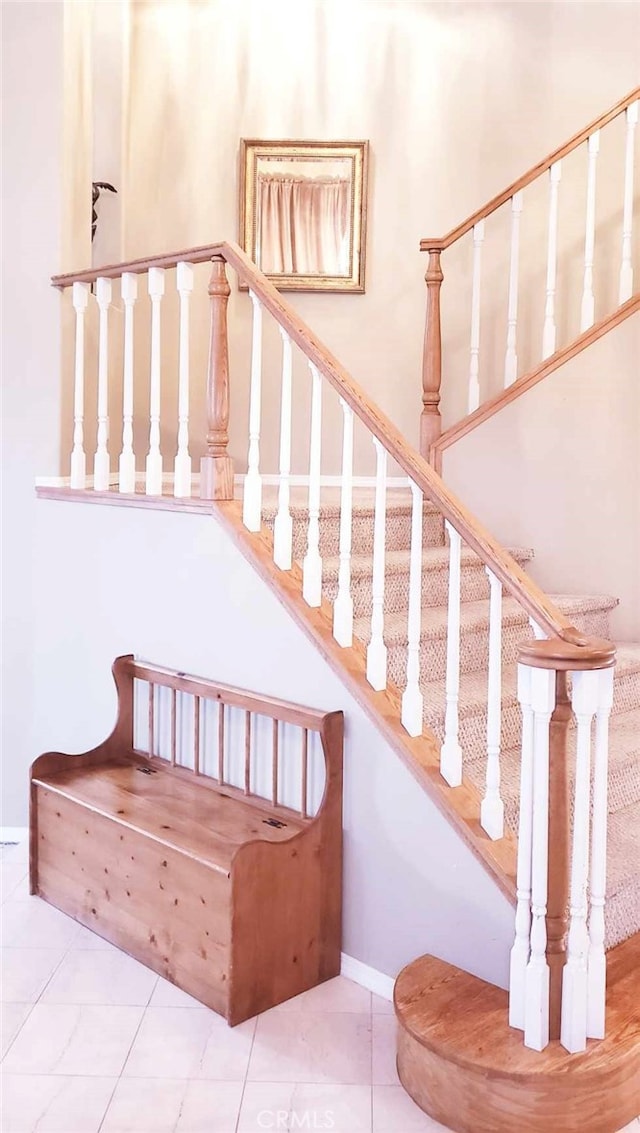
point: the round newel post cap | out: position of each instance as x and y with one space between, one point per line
575 652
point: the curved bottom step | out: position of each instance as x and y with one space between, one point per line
463 1065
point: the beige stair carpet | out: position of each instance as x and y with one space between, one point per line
590 613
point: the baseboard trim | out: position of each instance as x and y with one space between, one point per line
13 833
370 978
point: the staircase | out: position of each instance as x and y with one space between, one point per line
589 613
496 695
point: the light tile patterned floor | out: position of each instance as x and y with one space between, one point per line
93 1042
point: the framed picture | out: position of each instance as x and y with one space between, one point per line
303 212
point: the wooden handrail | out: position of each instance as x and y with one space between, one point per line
439 243
504 566
197 255
533 600
530 379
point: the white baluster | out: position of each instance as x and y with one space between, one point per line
597 965
252 499
127 462
101 461
492 806
343 605
536 1011
626 269
312 565
474 368
377 650
511 357
182 467
153 485
549 331
573 1026
451 752
587 314
283 526
412 701
80 292
521 946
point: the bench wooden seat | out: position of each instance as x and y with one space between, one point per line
233 897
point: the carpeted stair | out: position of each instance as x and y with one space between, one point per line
589 613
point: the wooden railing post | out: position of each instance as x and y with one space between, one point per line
559 817
567 921
216 467
430 421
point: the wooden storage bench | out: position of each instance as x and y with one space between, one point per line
231 895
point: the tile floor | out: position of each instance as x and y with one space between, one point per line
93 1042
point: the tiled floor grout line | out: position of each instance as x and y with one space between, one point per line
126 1057
37 1000
246 1075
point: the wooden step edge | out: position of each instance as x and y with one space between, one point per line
463 1065
421 755
68 793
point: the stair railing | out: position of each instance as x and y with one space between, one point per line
542 879
432 442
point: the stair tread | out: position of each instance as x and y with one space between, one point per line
433 558
363 501
475 614
473 685
199 820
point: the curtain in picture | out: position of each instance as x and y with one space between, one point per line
303 225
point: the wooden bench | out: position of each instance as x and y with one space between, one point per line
233 896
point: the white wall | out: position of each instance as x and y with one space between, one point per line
31 209
174 588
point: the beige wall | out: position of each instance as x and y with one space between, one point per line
559 470
457 100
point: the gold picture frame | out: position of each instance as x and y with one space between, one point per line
303 212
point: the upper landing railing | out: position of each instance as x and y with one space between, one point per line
531 295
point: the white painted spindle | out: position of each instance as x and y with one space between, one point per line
412 701
511 357
127 462
80 294
536 1015
343 605
283 526
182 467
252 497
573 1029
626 269
377 650
521 946
596 965
474 367
549 331
538 632
153 484
587 314
101 461
492 806
312 565
451 752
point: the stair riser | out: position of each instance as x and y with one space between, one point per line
435 588
398 532
474 647
473 724
624 790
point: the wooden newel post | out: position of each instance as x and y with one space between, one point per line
430 421
216 467
578 655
